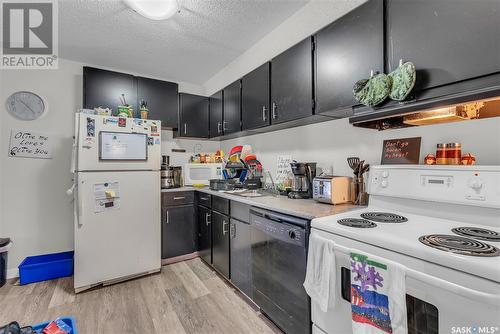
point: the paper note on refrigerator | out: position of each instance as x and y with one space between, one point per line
106 196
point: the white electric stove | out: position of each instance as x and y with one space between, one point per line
443 224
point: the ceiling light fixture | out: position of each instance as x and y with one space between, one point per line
154 9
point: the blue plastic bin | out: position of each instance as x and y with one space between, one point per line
67 320
45 267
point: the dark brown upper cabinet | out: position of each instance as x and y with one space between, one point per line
162 100
448 41
255 88
348 50
216 112
232 108
102 88
292 83
193 116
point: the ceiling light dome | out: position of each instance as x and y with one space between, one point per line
154 9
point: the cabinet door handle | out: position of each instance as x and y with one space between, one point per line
179 198
274 113
207 218
168 218
232 231
185 128
264 112
219 125
224 125
204 198
224 224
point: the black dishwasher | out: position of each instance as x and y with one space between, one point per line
279 255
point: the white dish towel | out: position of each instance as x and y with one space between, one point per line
378 295
320 273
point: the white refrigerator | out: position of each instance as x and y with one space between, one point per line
116 165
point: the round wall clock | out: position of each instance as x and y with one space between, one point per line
26 106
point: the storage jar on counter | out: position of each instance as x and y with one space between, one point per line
454 153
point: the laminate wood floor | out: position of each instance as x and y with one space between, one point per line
186 297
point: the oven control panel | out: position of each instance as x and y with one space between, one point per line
469 185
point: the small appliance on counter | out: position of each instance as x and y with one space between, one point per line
222 185
303 174
332 189
171 176
202 173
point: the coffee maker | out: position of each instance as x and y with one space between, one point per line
170 175
303 175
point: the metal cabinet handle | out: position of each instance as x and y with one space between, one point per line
224 224
207 218
224 125
232 231
264 112
219 125
274 114
185 128
204 198
168 218
179 198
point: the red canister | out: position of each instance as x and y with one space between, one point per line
454 153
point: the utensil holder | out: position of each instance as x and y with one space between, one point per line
361 194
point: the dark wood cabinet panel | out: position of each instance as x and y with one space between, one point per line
162 98
241 256
346 51
103 88
178 236
204 233
291 83
232 108
203 199
255 88
193 116
220 243
448 40
216 112
220 205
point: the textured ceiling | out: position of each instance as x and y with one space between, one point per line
191 47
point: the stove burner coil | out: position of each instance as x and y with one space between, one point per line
384 217
356 222
477 233
459 245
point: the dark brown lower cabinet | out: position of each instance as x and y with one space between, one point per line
220 243
205 233
178 231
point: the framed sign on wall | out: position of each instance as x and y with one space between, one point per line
401 151
28 144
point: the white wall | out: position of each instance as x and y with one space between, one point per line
189 145
305 22
330 143
34 208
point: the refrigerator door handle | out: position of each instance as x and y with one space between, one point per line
80 206
75 144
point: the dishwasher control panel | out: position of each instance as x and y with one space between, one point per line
280 230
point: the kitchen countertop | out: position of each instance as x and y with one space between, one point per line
304 208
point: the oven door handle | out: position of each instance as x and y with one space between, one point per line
484 297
